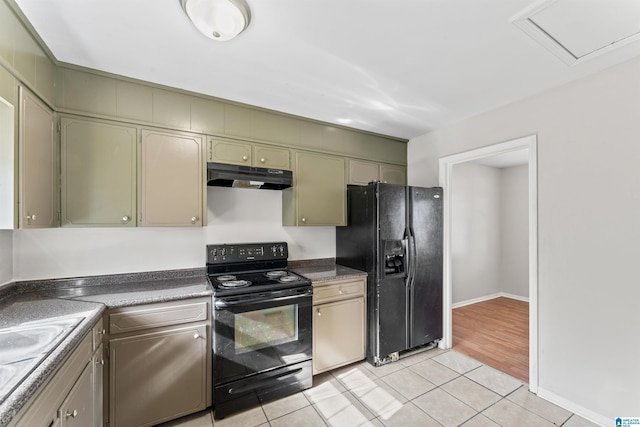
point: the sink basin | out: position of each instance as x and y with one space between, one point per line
23 347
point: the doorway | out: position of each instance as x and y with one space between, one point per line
528 147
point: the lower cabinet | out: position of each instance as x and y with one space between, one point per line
159 362
338 324
69 398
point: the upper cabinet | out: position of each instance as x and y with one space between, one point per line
171 179
393 174
38 160
247 154
362 173
98 164
318 194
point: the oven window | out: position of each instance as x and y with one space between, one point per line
257 329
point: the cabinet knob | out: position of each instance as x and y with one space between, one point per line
126 218
100 362
245 158
318 311
303 219
31 217
196 336
72 414
194 219
101 332
262 160
340 291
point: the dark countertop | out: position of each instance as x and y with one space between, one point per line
324 270
88 298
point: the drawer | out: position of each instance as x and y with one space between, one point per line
137 318
338 290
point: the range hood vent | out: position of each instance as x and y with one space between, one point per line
224 175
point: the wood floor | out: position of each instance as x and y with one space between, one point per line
496 333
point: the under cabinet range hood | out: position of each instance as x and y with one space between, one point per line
236 176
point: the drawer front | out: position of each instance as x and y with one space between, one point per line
157 315
335 291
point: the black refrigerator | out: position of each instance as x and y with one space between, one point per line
394 233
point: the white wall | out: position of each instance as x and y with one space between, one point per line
514 230
475 231
235 215
6 256
588 210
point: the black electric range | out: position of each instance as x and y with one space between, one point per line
262 325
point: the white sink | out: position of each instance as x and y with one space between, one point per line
22 348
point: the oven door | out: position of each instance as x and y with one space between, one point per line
255 333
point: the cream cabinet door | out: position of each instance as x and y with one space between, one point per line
362 173
172 179
77 408
98 168
271 157
319 191
38 171
338 334
392 174
158 376
231 152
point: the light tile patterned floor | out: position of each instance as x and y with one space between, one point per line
433 388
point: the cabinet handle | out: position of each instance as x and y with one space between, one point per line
100 362
72 415
318 311
262 160
245 158
303 219
126 218
194 219
196 336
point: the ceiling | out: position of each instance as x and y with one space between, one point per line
399 68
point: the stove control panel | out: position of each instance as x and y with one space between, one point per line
246 252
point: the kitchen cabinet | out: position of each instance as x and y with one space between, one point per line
69 398
393 174
98 173
318 194
172 191
159 362
38 174
248 154
339 308
362 172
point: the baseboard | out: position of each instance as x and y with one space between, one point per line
575 408
487 298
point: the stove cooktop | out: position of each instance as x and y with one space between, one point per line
230 283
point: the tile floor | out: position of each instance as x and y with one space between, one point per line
433 388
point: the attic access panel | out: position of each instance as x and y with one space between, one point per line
578 30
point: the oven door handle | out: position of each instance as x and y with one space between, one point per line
223 303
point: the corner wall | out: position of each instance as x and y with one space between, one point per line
514 230
475 232
588 210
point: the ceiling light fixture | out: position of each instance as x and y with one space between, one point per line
218 19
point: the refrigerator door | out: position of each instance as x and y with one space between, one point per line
425 284
391 296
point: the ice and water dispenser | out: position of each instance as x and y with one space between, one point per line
394 257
